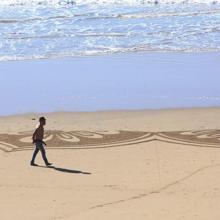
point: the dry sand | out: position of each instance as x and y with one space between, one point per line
153 164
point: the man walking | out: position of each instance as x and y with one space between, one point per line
38 137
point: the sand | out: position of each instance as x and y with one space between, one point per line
150 164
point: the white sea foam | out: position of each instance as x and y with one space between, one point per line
97 27
104 2
170 14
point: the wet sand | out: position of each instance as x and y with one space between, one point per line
125 81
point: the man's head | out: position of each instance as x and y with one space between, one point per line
42 120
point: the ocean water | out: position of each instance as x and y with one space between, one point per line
35 29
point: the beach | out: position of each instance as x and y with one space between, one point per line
154 164
130 92
133 136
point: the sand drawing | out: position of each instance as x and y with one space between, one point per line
104 139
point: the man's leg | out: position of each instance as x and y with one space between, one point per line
43 152
34 155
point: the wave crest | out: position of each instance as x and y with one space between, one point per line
103 2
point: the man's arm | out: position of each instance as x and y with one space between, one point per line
34 135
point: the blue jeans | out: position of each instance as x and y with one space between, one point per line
39 147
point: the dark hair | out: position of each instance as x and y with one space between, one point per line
42 119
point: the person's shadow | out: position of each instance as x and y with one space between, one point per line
68 170
65 170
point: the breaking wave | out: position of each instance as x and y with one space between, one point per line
104 2
44 29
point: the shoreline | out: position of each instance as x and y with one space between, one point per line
109 111
122 54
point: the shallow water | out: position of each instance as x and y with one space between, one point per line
63 28
131 81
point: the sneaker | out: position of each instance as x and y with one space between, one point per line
48 164
33 164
